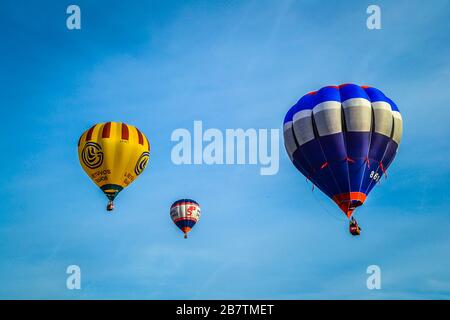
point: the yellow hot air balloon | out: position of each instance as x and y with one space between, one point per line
113 155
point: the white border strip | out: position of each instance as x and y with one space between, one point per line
356 102
327 105
381 105
302 114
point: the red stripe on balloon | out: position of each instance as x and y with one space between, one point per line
184 203
125 133
140 136
106 130
184 219
89 134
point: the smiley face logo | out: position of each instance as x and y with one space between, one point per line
92 155
141 163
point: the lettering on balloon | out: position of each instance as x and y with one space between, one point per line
189 210
129 178
101 175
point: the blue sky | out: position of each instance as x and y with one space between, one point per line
232 64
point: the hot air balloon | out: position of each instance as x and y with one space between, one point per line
343 139
185 213
113 155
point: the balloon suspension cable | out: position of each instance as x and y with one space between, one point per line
338 217
307 180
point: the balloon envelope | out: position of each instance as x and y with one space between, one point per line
113 155
185 213
343 139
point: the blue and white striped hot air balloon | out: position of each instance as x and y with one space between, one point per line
185 213
343 139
